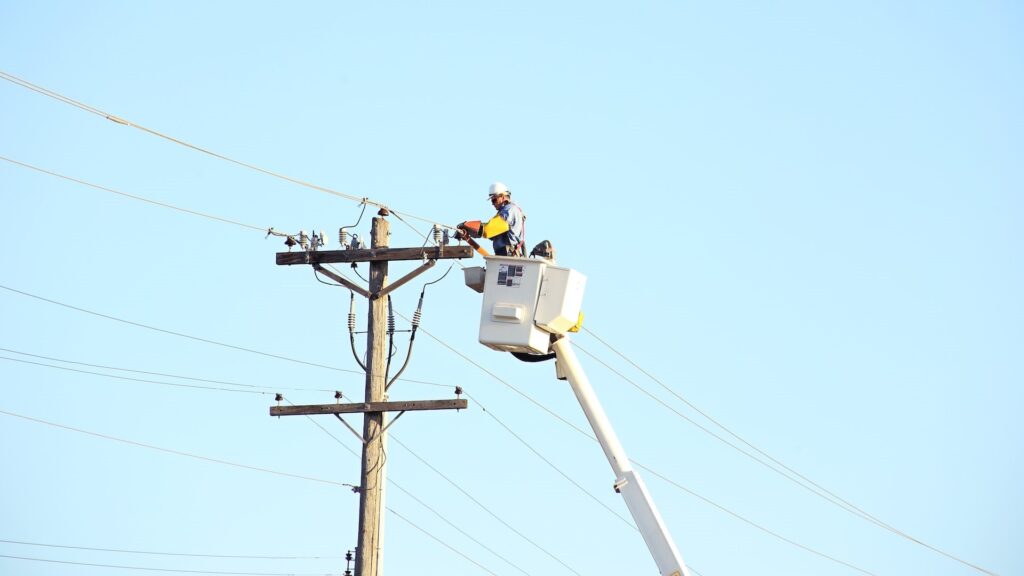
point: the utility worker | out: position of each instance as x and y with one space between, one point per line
506 230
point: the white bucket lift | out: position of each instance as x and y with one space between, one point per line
528 307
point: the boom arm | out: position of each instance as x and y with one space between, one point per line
627 481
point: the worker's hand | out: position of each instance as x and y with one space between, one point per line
468 228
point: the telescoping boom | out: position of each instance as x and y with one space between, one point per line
529 307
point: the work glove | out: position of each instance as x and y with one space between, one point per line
470 228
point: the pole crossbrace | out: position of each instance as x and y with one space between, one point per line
349 426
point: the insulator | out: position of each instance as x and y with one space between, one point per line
303 240
342 237
437 235
445 240
418 313
352 315
391 318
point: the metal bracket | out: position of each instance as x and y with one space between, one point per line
341 280
353 430
388 425
397 284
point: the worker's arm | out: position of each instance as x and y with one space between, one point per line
494 226
489 229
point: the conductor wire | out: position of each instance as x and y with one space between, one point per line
132 196
50 93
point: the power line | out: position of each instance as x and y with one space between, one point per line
150 569
119 120
754 524
176 452
194 386
496 377
520 438
465 493
439 541
806 482
834 498
182 554
179 334
133 196
268 388
817 488
50 93
688 491
207 459
269 231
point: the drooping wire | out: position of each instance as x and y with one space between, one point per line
589 436
176 452
439 541
785 471
395 484
180 554
95 565
172 333
845 504
352 329
178 385
133 196
342 235
165 374
50 93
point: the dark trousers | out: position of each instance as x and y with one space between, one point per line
508 251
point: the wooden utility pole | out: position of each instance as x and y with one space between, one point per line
374 474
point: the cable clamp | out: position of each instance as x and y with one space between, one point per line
619 485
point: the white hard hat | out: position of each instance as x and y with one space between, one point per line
497 189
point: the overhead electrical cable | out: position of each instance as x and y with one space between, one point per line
179 385
551 464
181 554
581 431
754 524
841 502
439 541
179 334
801 480
219 461
50 93
392 481
134 197
537 403
176 452
496 377
523 441
716 436
190 378
151 569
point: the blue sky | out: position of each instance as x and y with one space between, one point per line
801 219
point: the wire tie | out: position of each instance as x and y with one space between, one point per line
113 118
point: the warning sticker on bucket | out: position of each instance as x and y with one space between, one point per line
510 275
